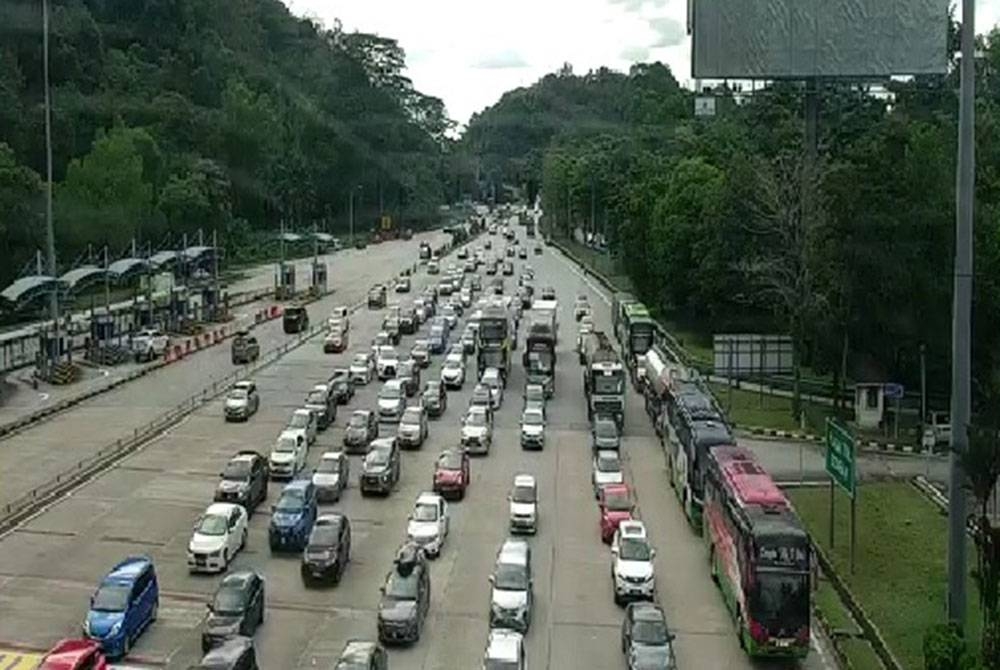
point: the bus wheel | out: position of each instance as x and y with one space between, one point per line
713 564
739 632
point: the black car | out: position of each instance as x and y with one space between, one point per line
646 640
548 293
408 321
244 480
376 297
380 469
329 550
406 597
236 653
408 372
364 654
434 399
295 319
237 608
361 429
341 386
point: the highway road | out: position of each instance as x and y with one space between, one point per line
36 455
148 503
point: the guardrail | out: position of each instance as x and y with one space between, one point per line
22 507
85 469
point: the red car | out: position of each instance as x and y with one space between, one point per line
616 506
77 654
451 473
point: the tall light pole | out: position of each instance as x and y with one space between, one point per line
50 235
351 208
961 327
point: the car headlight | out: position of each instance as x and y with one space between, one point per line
115 629
86 627
216 553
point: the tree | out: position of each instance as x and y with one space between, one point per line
20 210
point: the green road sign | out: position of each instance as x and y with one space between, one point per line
840 463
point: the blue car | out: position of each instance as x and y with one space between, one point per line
293 516
125 603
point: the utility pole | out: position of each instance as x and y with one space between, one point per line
961 327
50 234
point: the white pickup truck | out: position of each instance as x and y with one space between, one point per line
148 344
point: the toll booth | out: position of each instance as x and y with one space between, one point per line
284 281
180 318
318 278
211 307
102 328
142 314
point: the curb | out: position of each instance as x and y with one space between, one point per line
865 446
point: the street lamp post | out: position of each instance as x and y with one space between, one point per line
50 235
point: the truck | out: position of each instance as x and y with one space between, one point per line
493 339
539 356
662 375
636 330
603 378
425 251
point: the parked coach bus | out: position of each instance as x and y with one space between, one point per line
759 554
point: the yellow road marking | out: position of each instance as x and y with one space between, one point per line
18 660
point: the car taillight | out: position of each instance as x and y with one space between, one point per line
758 632
802 636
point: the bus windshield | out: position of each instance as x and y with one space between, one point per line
781 600
612 384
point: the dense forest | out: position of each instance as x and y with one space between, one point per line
175 115
706 215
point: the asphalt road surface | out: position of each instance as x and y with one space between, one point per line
38 454
50 566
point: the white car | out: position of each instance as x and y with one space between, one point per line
491 378
477 430
504 649
523 501
218 536
428 524
532 428
362 369
466 297
391 401
607 470
632 568
288 455
386 362
304 421
453 372
148 344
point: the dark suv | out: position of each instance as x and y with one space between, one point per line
434 399
295 319
361 429
236 609
380 470
244 480
329 550
246 349
406 597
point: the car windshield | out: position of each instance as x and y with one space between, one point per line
390 392
618 502
533 418
534 392
290 501
316 398
501 664
412 415
453 364
387 352
111 598
399 587
323 535
437 331
510 577
285 445
358 421
634 549
329 466
360 360
523 494
229 601
425 512
450 460
298 421
608 463
781 599
377 457
650 632
475 419
212 524
238 394
605 430
236 470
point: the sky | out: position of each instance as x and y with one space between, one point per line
469 52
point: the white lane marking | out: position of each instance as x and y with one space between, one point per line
43 397
587 280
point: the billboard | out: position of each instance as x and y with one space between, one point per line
747 355
797 39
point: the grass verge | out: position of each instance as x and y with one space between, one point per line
749 408
899 576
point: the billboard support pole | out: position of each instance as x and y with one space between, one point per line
961 342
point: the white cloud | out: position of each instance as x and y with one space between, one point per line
503 60
469 53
